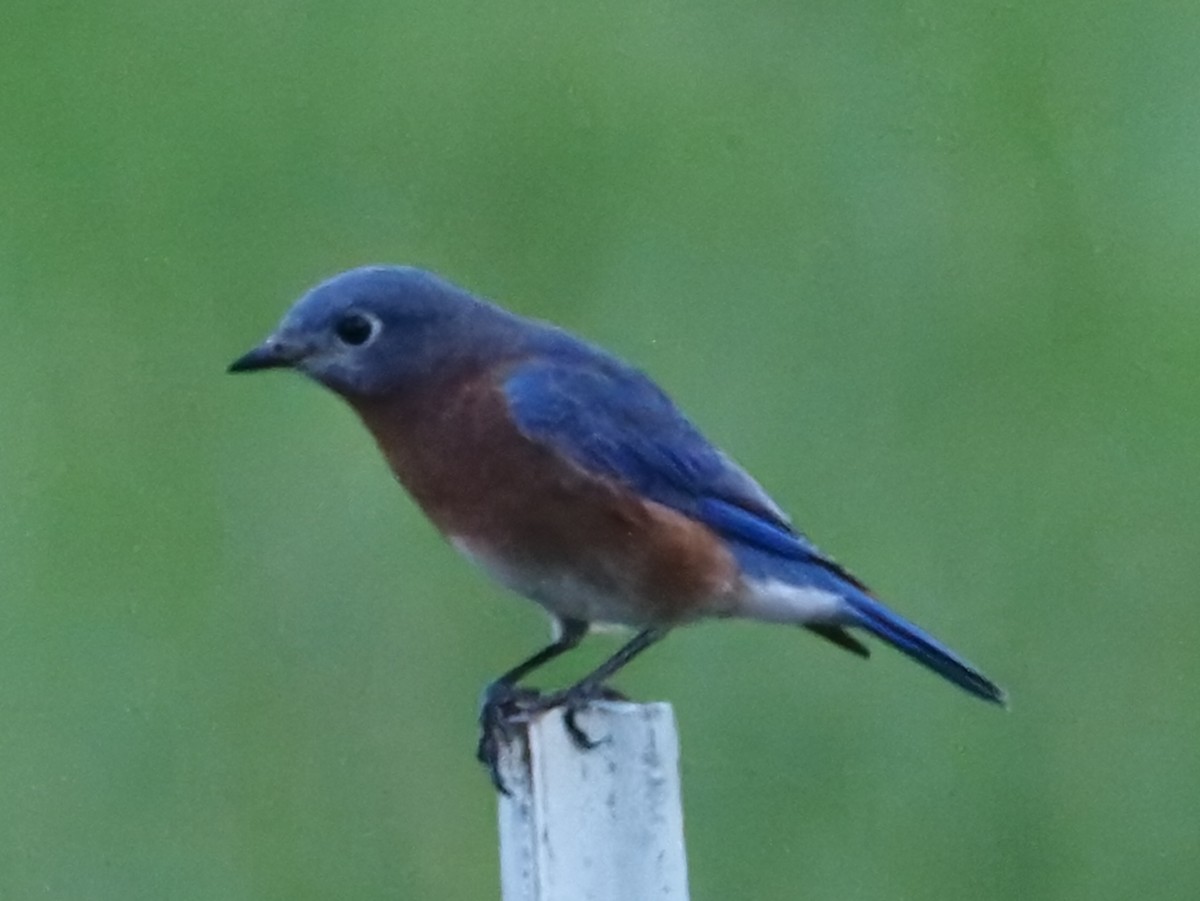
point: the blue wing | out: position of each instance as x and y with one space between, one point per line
610 419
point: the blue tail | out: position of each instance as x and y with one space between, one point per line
767 550
908 639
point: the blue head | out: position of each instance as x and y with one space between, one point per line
378 329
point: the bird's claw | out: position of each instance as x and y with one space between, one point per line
579 738
503 705
575 700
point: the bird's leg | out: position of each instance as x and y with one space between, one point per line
504 699
591 687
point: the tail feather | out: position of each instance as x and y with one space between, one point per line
921 647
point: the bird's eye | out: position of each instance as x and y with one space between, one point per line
355 329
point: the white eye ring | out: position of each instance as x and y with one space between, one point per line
355 328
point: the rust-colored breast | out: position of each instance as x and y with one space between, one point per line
481 481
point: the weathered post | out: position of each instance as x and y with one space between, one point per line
599 825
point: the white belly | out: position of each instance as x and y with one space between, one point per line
567 596
559 590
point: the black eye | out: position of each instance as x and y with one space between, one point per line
354 329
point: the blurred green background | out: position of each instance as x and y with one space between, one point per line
929 270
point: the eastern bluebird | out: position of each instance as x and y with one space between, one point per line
572 479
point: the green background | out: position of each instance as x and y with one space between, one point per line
929 270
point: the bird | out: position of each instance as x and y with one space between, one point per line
572 479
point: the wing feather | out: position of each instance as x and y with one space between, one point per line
612 420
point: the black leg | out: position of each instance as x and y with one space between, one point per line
571 632
591 686
503 698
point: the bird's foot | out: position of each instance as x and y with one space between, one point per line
575 700
503 704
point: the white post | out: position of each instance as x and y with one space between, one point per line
598 825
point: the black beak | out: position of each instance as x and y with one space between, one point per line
271 354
